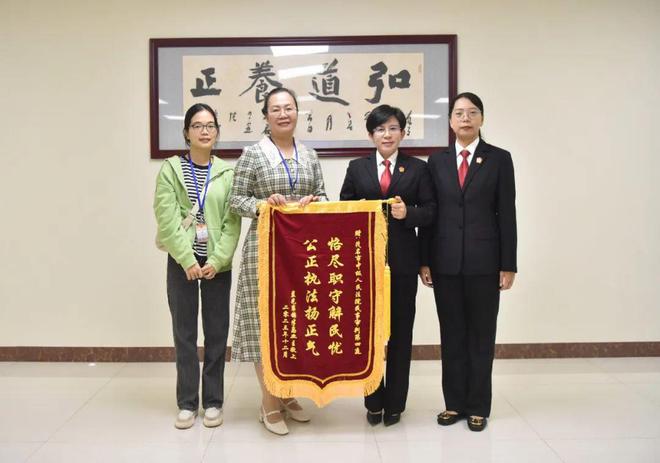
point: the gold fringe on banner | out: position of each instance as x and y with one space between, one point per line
346 388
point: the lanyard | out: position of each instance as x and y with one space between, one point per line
201 200
292 183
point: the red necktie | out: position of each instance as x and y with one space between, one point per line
463 168
386 178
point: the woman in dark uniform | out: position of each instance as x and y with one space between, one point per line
388 173
469 256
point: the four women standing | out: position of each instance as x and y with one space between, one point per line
468 255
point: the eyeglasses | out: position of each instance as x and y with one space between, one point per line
380 131
210 127
276 110
471 114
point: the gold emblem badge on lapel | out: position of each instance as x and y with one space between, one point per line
402 169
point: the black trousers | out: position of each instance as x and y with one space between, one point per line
183 298
467 309
392 393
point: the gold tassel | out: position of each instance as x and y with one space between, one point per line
382 330
387 278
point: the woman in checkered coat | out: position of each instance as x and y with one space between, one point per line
276 170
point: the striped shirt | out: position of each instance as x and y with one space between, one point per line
200 173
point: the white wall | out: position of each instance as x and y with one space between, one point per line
571 88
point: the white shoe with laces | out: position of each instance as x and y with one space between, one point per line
212 417
185 419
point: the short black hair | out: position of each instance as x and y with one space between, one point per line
380 114
275 91
194 109
470 96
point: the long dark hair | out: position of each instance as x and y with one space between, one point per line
194 109
474 99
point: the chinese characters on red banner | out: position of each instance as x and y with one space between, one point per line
330 320
322 285
357 332
323 298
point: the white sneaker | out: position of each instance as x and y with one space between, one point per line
212 417
185 419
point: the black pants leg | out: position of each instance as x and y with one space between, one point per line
448 291
482 297
393 392
183 299
215 322
467 309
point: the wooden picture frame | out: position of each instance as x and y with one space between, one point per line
338 80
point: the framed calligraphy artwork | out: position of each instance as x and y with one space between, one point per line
338 81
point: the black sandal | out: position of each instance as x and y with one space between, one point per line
447 418
477 423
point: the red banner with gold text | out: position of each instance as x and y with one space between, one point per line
323 298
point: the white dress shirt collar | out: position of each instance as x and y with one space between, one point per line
471 148
392 159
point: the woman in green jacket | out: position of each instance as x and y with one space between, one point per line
200 234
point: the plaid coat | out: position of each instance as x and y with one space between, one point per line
258 174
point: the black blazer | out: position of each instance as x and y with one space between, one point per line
475 228
412 182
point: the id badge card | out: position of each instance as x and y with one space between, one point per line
202 233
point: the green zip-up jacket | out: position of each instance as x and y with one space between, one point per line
171 206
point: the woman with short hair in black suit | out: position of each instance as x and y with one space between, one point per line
389 173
